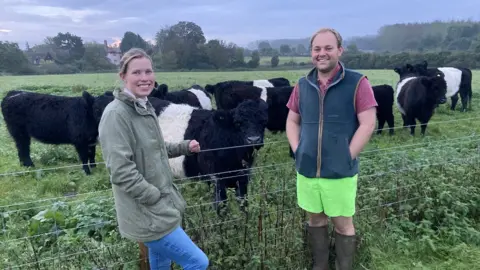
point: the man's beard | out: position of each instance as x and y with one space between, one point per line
327 69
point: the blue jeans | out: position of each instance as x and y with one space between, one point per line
176 246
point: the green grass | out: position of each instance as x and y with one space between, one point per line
433 223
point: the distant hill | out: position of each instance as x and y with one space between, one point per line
294 42
275 43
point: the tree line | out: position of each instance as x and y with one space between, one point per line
455 35
422 37
183 47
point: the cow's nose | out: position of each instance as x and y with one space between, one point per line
253 139
443 100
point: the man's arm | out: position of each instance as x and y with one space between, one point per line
367 116
293 129
364 132
293 120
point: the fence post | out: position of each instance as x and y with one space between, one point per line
144 265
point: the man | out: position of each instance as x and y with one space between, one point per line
332 117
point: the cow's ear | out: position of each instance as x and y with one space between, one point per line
163 88
223 118
210 89
88 98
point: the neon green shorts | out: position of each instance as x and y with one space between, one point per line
335 197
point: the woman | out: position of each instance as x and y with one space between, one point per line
149 207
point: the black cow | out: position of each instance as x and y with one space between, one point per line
221 134
229 95
195 96
276 98
458 80
417 96
218 87
384 96
51 119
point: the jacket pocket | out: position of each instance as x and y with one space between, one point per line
336 157
163 214
349 154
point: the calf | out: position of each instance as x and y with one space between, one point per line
195 96
51 119
458 80
227 139
384 96
417 96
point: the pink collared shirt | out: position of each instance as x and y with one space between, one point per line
364 100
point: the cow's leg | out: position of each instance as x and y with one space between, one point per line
381 123
391 124
412 123
82 150
241 190
91 155
22 141
423 127
464 96
405 125
454 99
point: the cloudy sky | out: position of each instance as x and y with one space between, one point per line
232 20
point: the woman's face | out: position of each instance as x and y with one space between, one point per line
139 77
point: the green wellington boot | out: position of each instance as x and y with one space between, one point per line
345 246
319 244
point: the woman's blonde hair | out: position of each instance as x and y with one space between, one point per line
128 56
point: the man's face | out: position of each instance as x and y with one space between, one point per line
325 52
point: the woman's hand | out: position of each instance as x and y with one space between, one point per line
194 146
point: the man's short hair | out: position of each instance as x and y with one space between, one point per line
331 30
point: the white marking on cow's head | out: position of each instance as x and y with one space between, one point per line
263 84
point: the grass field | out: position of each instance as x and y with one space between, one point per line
418 198
265 60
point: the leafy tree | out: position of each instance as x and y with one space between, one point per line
285 49
69 47
132 40
274 61
13 60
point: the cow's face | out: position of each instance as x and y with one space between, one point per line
159 91
436 87
439 87
250 117
100 104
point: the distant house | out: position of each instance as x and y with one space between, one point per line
114 54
